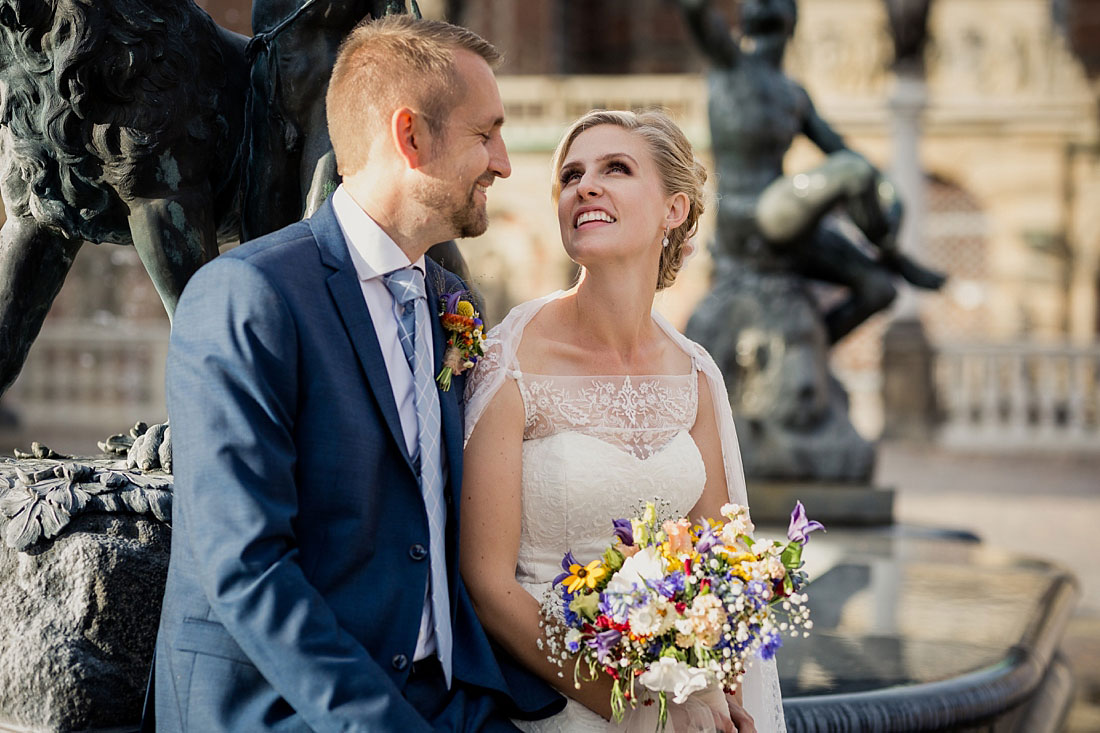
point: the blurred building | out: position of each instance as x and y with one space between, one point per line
1011 153
1011 150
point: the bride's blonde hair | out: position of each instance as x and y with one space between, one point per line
679 169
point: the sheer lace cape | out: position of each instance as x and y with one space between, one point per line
760 689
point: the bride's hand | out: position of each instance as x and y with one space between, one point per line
742 721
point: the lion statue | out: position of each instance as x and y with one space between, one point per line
120 122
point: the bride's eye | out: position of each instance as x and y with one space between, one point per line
569 175
619 167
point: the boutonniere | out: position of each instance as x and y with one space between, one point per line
465 337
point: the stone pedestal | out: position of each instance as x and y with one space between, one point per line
83 560
908 386
80 618
832 504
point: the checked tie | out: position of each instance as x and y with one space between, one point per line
414 330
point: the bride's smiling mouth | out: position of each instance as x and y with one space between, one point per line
593 218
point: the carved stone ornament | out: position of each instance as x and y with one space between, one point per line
40 498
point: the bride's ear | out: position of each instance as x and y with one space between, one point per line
678 205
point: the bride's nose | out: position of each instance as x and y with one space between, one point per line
588 187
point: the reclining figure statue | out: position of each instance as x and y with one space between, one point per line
760 320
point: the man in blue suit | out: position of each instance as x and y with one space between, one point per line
313 583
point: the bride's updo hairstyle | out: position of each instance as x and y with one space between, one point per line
676 163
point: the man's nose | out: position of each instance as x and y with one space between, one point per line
499 164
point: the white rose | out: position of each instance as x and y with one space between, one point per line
671 675
646 564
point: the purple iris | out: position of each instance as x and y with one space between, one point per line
566 562
800 528
603 642
770 644
707 540
450 302
624 531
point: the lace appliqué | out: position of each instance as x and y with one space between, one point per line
638 415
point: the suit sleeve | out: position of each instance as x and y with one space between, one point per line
232 394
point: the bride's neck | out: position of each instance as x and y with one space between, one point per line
614 314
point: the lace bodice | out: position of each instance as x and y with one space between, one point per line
595 449
638 414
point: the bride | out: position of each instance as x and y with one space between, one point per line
587 402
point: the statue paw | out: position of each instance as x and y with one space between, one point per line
151 449
916 274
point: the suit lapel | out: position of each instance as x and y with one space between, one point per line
343 285
449 414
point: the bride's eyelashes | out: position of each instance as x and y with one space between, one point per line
568 175
614 166
619 166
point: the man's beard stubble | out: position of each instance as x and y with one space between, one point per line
465 218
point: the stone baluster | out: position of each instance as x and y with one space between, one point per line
989 396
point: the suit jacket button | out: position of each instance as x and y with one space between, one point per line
418 551
400 661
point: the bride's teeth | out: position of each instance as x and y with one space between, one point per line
593 216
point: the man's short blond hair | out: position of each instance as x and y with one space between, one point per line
393 62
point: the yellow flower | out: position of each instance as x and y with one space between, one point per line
465 308
588 575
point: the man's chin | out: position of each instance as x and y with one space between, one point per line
474 224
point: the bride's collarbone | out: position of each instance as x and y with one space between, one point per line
575 352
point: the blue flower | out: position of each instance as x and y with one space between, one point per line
570 615
617 605
770 644
669 585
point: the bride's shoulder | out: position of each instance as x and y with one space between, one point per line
699 355
520 316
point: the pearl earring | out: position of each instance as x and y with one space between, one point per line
664 242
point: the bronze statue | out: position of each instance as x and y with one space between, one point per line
143 122
760 321
120 122
773 222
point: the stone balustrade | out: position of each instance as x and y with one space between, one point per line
1012 396
81 376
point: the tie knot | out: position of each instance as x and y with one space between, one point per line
406 284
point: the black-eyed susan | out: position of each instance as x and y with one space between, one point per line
581 576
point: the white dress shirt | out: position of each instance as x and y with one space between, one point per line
374 254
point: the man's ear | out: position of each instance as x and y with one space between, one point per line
409 136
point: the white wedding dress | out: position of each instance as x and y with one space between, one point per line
595 449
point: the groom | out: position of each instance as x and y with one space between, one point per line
313 582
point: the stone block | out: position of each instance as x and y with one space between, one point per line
80 615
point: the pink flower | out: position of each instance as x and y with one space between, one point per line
679 536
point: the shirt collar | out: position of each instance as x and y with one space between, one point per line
373 252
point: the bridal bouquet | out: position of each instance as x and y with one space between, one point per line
678 608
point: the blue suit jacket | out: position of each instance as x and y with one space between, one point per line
297 574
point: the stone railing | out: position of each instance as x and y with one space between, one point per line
1017 396
540 108
83 376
